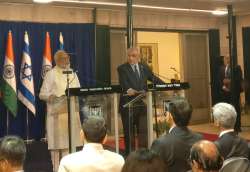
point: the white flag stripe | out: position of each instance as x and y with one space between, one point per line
11 81
46 62
27 102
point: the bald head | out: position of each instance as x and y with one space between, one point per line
205 156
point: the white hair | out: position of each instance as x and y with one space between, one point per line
225 114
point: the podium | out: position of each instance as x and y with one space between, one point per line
113 91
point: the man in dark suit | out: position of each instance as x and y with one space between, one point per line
229 143
174 147
227 93
133 77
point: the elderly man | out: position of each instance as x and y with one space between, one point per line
205 157
229 143
12 154
133 77
174 147
92 158
53 92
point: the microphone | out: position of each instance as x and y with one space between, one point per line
67 72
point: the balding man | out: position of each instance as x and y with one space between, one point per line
133 77
53 93
205 157
229 143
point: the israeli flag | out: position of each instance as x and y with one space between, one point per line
26 89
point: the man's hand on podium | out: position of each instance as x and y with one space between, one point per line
132 92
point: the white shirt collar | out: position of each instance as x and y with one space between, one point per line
171 128
226 131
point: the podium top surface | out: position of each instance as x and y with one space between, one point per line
117 89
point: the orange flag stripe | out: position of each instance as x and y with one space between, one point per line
47 49
9 49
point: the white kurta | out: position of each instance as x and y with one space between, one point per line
55 83
92 158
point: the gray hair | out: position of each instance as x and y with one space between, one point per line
225 114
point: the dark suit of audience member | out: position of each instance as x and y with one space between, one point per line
225 88
229 143
133 77
174 147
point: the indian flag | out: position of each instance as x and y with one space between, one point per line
8 84
47 59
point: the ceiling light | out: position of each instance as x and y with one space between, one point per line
42 1
219 12
214 12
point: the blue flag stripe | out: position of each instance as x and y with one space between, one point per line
26 49
27 94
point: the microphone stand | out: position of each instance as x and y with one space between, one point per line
69 109
131 118
155 110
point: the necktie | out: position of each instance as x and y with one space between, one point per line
136 70
227 72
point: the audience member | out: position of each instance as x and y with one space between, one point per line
174 147
144 160
12 154
229 143
93 157
205 157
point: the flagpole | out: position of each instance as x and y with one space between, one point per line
27 124
7 122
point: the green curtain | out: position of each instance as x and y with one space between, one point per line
246 57
215 60
103 56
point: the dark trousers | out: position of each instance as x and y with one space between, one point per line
135 124
228 99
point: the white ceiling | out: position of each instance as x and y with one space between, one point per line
239 6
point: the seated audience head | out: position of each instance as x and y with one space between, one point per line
62 59
180 112
205 157
144 160
224 115
12 153
94 129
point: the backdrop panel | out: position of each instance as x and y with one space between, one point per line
79 41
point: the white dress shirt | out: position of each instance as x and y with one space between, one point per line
92 158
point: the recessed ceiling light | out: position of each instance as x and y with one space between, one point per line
219 12
42 1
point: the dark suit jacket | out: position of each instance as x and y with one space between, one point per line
174 148
231 145
127 79
238 81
